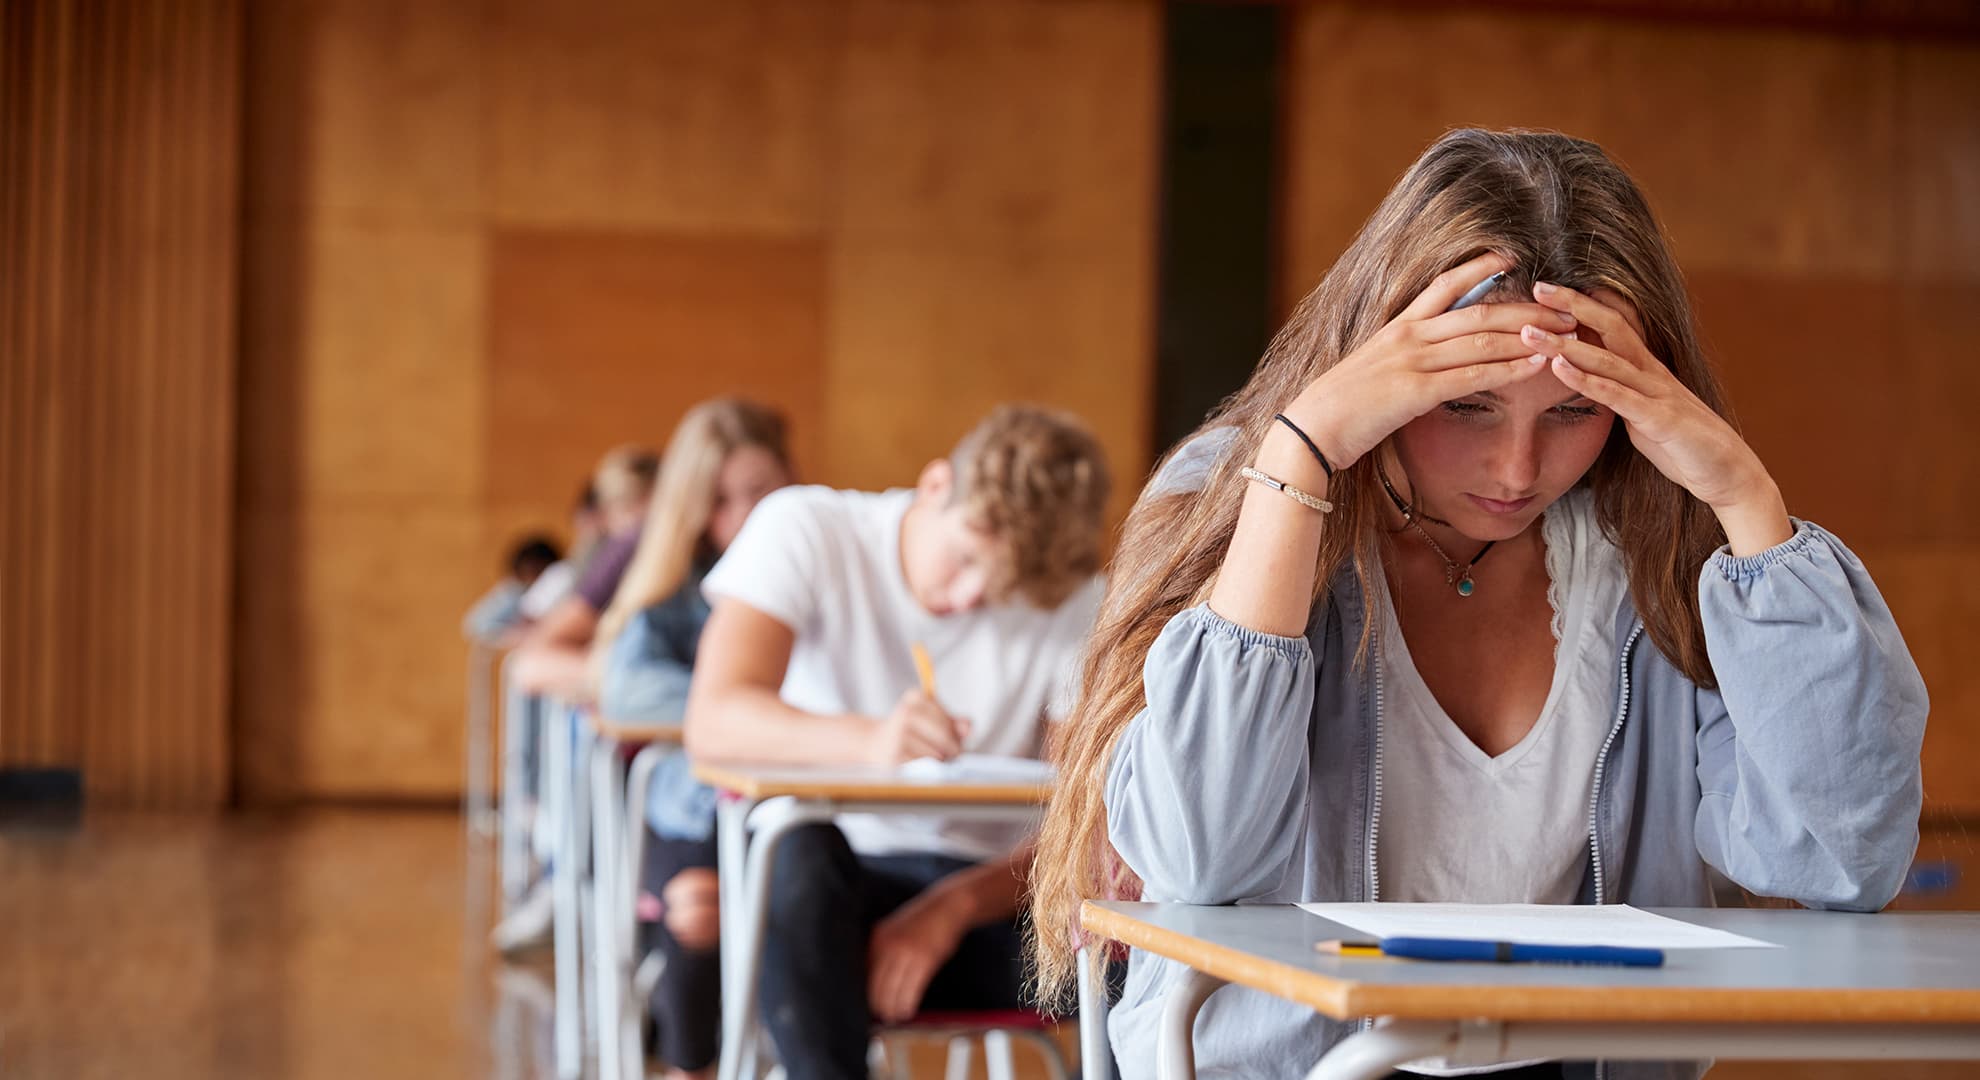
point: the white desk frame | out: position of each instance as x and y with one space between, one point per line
618 846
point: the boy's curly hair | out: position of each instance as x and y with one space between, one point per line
1037 480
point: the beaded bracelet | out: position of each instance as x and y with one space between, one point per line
1304 499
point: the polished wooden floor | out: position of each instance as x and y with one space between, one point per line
339 944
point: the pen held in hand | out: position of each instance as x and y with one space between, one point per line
924 667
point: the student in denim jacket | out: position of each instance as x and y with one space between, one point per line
724 458
1490 604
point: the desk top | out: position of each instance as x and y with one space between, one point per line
619 731
1889 968
865 784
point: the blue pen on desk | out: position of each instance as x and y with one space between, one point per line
1499 952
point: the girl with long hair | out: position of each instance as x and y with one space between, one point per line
725 456
1484 603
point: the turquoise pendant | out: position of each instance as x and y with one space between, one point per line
1464 585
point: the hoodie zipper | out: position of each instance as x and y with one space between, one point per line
1595 790
1375 794
1374 808
1602 763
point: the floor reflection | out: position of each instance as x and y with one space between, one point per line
322 944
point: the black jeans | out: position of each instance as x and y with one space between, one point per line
687 1001
824 901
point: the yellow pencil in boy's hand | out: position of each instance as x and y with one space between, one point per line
926 667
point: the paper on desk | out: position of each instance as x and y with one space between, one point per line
980 769
1534 924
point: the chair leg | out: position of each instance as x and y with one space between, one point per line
998 1063
1096 1059
960 1049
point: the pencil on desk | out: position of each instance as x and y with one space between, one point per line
926 668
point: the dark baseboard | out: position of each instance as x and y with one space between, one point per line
41 797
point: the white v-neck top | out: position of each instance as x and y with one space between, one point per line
1461 826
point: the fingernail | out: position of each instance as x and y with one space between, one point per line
1562 315
1538 358
1541 288
1563 361
1535 335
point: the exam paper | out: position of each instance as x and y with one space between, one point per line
980 769
1534 924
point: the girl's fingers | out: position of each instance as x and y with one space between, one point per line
1595 360
1503 318
1454 383
1616 330
1446 287
1630 404
1482 347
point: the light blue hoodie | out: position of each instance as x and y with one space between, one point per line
1254 775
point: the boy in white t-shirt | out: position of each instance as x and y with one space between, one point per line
990 563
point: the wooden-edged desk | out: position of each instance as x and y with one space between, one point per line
1843 986
761 804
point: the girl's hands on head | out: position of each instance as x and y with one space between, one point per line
1679 434
1424 357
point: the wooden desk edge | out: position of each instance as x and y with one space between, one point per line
1345 999
741 782
618 731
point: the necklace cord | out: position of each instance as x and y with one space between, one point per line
1459 577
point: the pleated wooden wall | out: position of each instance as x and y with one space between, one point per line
119 224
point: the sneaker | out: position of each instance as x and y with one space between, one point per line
529 926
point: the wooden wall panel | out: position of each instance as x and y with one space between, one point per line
487 240
1762 149
362 382
675 115
925 341
1819 189
992 229
118 238
602 338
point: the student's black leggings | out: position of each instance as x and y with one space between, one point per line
687 1001
824 901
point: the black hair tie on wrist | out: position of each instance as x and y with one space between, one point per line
1317 455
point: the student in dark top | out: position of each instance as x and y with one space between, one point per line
724 458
